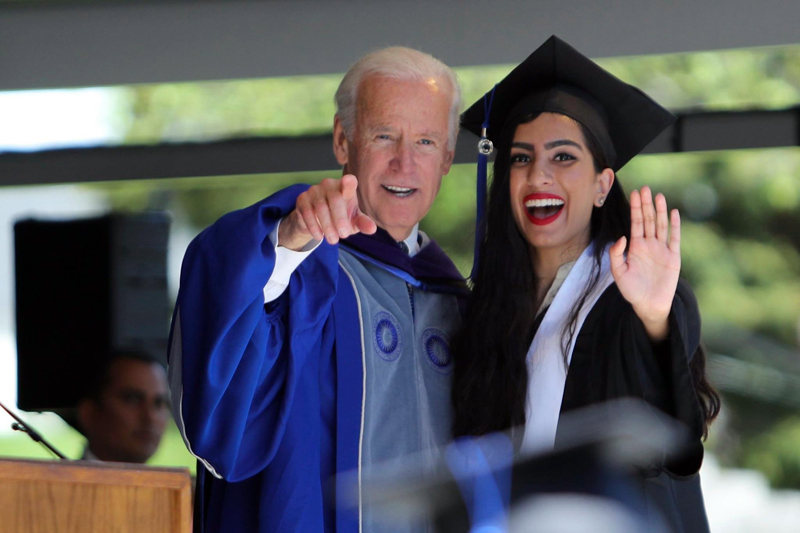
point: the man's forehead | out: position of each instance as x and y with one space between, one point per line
387 107
435 83
374 91
125 372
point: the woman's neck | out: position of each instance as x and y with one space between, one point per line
546 262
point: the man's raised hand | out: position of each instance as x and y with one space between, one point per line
328 209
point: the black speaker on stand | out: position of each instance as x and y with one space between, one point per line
83 289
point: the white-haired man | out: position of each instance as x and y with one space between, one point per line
293 358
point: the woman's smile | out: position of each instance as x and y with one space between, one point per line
543 208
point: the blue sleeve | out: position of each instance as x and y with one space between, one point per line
238 362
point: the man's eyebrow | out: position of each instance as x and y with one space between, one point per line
131 390
375 128
165 398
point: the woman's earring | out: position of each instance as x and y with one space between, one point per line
600 201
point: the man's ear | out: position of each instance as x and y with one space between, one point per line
448 162
340 142
87 411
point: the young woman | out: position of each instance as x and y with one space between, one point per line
577 298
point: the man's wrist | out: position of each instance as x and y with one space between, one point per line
291 235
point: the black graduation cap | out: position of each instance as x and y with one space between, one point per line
557 78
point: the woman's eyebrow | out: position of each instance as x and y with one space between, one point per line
547 146
524 146
562 142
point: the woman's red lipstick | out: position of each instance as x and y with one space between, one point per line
539 197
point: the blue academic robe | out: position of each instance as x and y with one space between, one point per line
270 395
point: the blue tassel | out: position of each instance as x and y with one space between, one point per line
480 183
480 211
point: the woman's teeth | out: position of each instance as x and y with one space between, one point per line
544 208
398 191
545 202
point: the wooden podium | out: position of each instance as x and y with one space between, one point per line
83 496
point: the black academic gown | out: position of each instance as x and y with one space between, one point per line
613 358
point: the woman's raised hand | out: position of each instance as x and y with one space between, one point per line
648 276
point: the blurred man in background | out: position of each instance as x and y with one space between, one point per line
124 413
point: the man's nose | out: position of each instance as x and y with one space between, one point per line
153 412
403 160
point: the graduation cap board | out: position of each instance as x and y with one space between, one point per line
557 78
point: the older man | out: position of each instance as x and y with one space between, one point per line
293 358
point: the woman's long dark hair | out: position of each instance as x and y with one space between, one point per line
490 379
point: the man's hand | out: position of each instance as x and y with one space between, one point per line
329 210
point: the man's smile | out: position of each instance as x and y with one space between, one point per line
401 192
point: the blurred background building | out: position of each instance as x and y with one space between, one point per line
197 108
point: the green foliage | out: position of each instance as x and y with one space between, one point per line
211 110
732 79
451 220
61 436
777 454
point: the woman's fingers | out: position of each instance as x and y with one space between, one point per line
650 218
637 221
675 232
616 255
648 213
662 218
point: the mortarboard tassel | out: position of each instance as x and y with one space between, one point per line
485 147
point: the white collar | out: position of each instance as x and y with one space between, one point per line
561 276
547 373
412 241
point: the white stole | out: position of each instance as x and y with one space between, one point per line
547 373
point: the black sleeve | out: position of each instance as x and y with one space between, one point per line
614 358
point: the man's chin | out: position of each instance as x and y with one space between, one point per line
397 217
399 232
140 456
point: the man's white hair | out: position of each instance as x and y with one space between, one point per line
399 63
